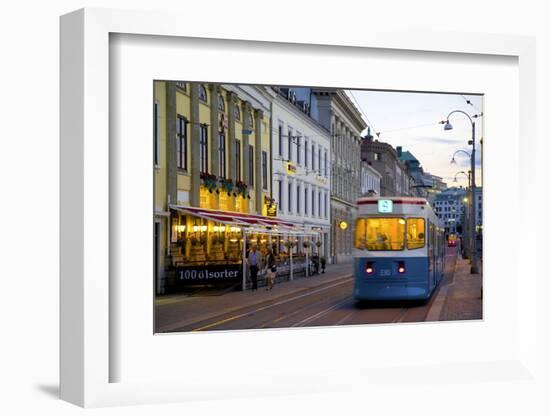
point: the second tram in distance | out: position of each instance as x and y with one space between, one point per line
399 249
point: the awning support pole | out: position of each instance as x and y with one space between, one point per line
244 260
290 252
307 261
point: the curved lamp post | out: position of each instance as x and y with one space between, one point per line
449 126
464 173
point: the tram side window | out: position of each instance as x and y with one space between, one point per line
415 233
385 234
361 234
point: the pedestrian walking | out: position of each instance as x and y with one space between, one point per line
253 263
270 269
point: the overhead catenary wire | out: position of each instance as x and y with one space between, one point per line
469 102
370 123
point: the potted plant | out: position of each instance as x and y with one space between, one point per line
242 189
226 185
209 181
306 244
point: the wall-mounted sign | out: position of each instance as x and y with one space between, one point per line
209 274
385 205
272 210
291 168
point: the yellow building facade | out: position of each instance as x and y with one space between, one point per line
212 151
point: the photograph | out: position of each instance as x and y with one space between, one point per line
302 206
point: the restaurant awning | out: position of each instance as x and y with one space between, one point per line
251 223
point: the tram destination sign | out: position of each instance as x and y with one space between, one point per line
385 205
210 273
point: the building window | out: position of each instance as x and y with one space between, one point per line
181 143
221 153
312 203
290 197
203 146
203 96
237 112
221 103
280 190
298 147
264 169
306 204
181 84
298 200
280 140
238 158
306 145
313 156
325 165
319 159
156 133
377 156
251 164
319 204
326 205
290 144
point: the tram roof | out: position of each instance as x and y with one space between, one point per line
395 199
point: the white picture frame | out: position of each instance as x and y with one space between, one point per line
86 332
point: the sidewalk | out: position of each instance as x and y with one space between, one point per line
176 311
463 300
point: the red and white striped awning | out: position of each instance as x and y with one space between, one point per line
250 222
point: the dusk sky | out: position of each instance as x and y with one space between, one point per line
411 120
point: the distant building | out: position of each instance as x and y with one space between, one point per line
383 157
450 205
370 180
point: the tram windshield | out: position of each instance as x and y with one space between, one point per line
380 233
388 234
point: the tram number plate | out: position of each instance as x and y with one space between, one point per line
385 272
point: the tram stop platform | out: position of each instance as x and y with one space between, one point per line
460 297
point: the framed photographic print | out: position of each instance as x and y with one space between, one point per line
278 213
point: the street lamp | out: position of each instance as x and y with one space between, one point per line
449 126
464 173
453 161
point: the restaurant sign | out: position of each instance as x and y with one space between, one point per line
272 210
210 273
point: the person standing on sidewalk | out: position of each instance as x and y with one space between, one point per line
253 262
270 269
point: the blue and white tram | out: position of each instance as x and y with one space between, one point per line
399 249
